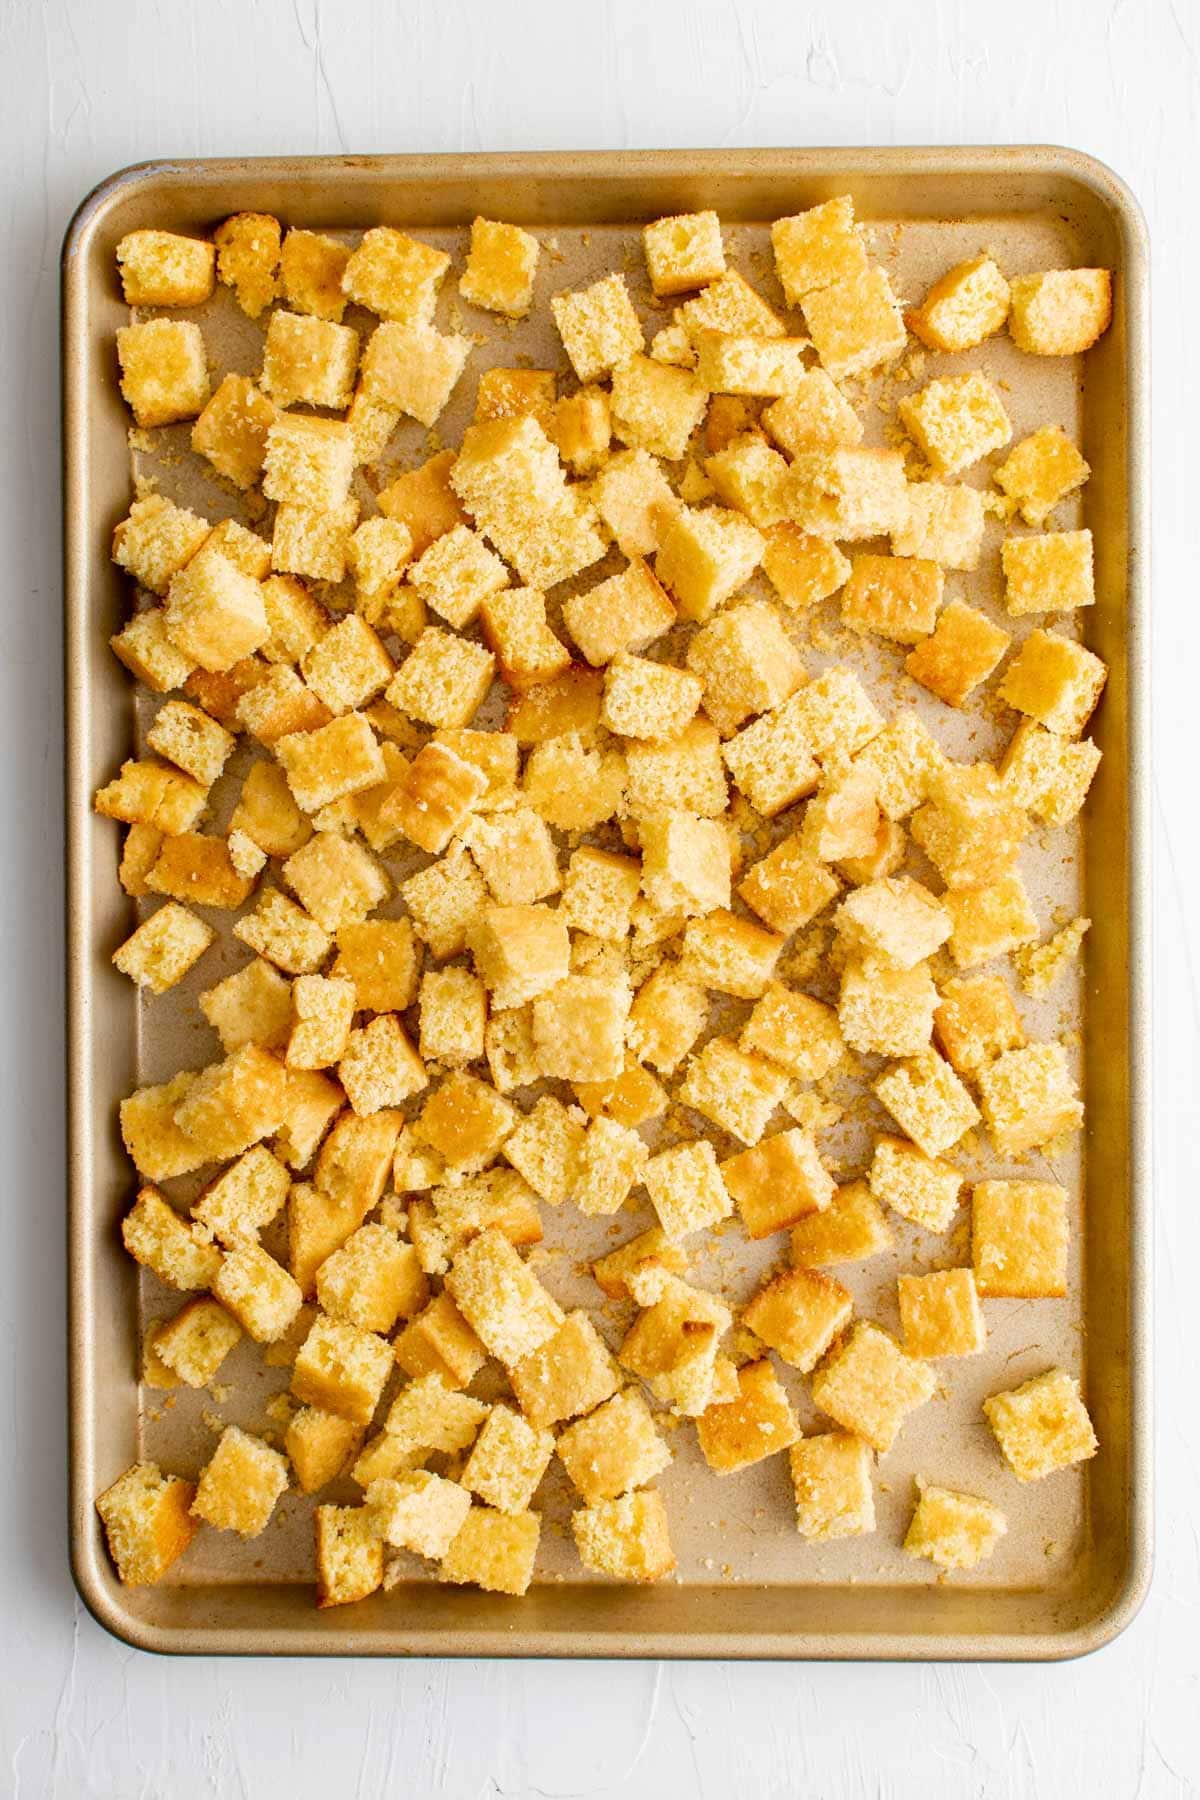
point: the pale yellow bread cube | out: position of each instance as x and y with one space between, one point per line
1051 571
729 955
1054 680
240 1484
798 1314
916 1186
850 1229
626 1538
789 886
975 1022
955 1531
164 370
928 1101
395 275
417 1510
164 268
683 252
944 522
990 921
735 1089
1019 1238
868 1385
614 1449
1060 312
686 1189
598 326
758 1423
816 248
831 1479
349 1556
855 323
963 307
147 1522
777 1182
940 1313
508 1460
897 597
960 653
494 1551
1029 1097
572 1372
500 268
1040 471
1041 1426
955 420
501 1298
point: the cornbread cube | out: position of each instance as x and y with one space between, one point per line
650 1249
901 760
195 1343
956 420
445 901
729 955
963 650
705 557
634 1098
848 492
139 853
284 934
599 893
626 612
746 364
342 1369
456 574
955 1531
896 596
795 1031
240 1483
214 613
683 252
944 523
831 1476
496 754
527 651
147 1522
325 765
928 1101
1029 1096
417 1511
248 251
323 1010
598 327
611 1160
258 1291
1060 312
975 1022
730 304
311 361
915 1185
317 1224
941 1314
686 1189
380 1068
433 798
267 814
313 541
1051 572
356 1160
545 1148
843 820
1041 1426
969 827
626 1538
163 948
146 650
1046 774
579 1027
509 476
413 369
581 427
572 787
508 1461
885 856
868 1385
349 1556
883 1010
777 1182
752 478
798 1314
814 414
672 345
191 740
348 666
395 275
1055 681
279 705
616 1448
635 500
570 1373
1019 1237
672 1344
163 268
234 1103
851 1228
835 714
443 680
157 1146
747 662
667 1016
816 248
656 407
855 323
511 393
1040 471
494 1551
520 952
164 370
466 1121
963 307
500 268
156 540
685 863
515 855
319 1445
440 1342
758 1423
309 462
684 773
232 429
424 501
311 270
1040 966
789 886
377 556
311 1102
244 1198
990 921
453 1016
896 919
179 1252
337 881
501 1298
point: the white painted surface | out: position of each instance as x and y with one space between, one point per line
89 85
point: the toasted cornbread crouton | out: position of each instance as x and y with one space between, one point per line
508 1460
1019 1237
511 393
139 853
379 1067
446 900
956 1531
515 855
258 1291
163 268
752 478
666 1018
232 1104
747 663
244 1198
395 275
466 1121
312 541
570 1373
284 934
214 613
747 364
1029 1096
816 248
501 1298
598 327
869 1386
337 759
456 574
432 798
494 1551
443 680
789 886
311 362
164 370
379 957
267 814
1040 471
795 1031
705 556
1051 572
943 523
685 863
157 1146
649 1248
855 323
915 1185
509 476
309 462
798 1314
686 1189
279 705
599 892
579 1028
941 1314
758 1423
336 880
626 1538
453 1016
735 1089
377 555
672 1344
1041 1426
248 252
683 252
423 500
635 1097
963 307
684 773
500 268
572 787
1047 774
372 1280
962 651
777 1182
417 1511
729 955
656 407
179 1252
348 666
440 1342
883 1010
147 1522
1060 312
520 952
311 270
240 1484
349 1555
975 1022
897 919
1055 681
970 828
848 492
813 415
850 1229
990 921
527 651
311 1102
412 369
635 501
730 304
163 948
831 1477
545 1148
928 1101
1039 966
187 737
616 1448
318 1446
156 540
341 1368
896 596
146 650
626 612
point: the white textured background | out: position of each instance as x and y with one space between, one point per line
89 85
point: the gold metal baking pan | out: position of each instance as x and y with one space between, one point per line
1075 1563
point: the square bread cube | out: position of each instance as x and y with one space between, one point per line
672 1343
1046 774
147 1522
232 1104
842 821
656 407
325 765
526 650
614 1449
231 431
313 541
705 556
963 307
1050 572
191 740
686 773
916 1186
795 1031
836 714
883 1010
413 369
349 1556
928 1101
515 855
433 798
244 1198
267 814
284 934
941 1314
1040 471
626 612
758 1423
195 1343
1041 1426
956 420
444 679
990 921
509 476
868 1385
377 555
667 1016
342 1368
970 828
598 326
158 1147
747 663
501 1298
626 1538
248 250
635 501
685 863
146 650
897 919
1054 680
962 651
356 1160
279 705
855 323
258 1291
163 948
789 886
816 248
417 1511
975 1022
686 1189
896 597
500 268
944 522
348 666
311 270
240 1484
1019 1239
572 787
730 304
848 492
163 268
445 900
423 501
338 881
164 370
508 1460
456 574
599 892
831 1477
1029 1096
777 1182
742 363
611 1161
494 1551
735 1089
308 361
798 1314
520 952
156 540
902 759
813 414
579 1028
251 1006
683 252
850 1229
309 462
214 613
440 1342
545 1148
729 955
1060 312
466 1121
311 1103
512 393
955 1531
649 1249
453 1016
750 477
570 1373
372 1280
379 1067
395 275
